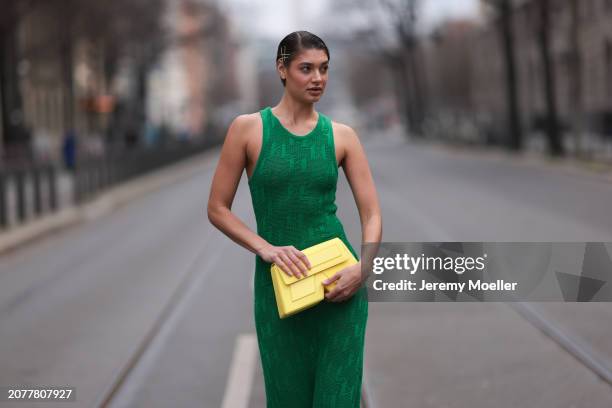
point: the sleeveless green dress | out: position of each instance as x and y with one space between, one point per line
315 357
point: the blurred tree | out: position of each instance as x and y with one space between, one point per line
543 27
399 20
503 12
450 68
575 69
11 113
364 86
67 12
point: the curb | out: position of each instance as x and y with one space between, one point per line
107 201
568 165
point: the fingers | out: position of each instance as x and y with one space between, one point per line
297 261
303 258
290 266
337 290
343 289
334 278
338 294
281 264
290 263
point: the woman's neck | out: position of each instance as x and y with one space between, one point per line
294 112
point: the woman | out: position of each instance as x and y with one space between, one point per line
291 155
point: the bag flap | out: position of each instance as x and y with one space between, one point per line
321 256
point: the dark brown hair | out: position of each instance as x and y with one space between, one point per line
293 43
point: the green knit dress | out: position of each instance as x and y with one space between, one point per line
315 357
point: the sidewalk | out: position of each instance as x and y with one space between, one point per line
64 195
568 165
69 214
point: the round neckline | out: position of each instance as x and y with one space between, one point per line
316 127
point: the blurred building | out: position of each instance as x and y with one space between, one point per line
466 70
61 81
244 22
581 50
196 74
115 72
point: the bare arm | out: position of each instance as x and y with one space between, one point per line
224 185
357 170
225 182
359 176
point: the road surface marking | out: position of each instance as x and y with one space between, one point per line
240 379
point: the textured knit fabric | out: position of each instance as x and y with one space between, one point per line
315 357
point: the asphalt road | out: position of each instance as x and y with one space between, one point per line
78 306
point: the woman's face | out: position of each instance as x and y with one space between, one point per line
306 75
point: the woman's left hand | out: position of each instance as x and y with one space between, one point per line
348 282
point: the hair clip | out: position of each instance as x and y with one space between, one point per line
283 54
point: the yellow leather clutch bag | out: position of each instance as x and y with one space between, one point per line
296 294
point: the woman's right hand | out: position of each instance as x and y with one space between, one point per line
292 261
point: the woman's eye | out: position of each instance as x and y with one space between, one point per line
306 69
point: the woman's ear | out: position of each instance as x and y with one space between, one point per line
281 69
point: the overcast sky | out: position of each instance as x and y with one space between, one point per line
435 11
274 18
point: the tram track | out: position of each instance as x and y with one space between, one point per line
170 312
585 354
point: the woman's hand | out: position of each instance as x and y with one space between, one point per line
348 282
288 258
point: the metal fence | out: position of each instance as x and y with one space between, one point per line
30 190
43 182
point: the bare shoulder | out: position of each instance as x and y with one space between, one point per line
249 129
343 131
345 140
243 130
344 135
246 123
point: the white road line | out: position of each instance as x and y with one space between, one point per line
240 379
367 395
